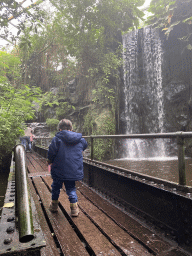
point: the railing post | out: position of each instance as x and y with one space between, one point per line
91 147
23 202
181 159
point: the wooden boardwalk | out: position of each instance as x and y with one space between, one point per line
100 229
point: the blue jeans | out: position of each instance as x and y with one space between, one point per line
25 141
70 189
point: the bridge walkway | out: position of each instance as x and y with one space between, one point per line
101 227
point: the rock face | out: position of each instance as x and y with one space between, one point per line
157 85
40 129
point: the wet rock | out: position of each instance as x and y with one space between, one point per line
40 129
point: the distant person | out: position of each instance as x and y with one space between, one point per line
66 159
32 136
25 140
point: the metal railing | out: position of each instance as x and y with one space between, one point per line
43 141
23 203
180 136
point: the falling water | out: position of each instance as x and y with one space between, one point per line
143 110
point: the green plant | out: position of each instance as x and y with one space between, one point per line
50 104
9 68
16 108
63 109
16 103
103 148
89 122
168 14
100 124
13 9
52 123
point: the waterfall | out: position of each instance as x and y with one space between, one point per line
143 92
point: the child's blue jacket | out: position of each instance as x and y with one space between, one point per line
65 154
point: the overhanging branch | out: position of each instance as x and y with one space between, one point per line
7 40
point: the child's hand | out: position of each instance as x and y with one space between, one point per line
49 168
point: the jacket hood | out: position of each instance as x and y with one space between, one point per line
69 137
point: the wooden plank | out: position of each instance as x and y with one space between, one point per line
120 237
40 160
156 243
34 168
69 241
30 166
174 252
112 231
35 163
51 248
96 240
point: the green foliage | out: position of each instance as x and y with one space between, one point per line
45 58
89 122
16 102
168 14
16 108
162 14
90 31
110 64
12 9
9 68
107 78
52 123
51 104
103 95
64 109
103 148
90 21
100 124
49 100
48 103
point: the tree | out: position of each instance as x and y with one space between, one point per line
82 40
45 59
11 10
92 34
9 68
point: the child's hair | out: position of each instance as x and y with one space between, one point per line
65 124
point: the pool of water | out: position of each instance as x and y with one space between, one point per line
164 168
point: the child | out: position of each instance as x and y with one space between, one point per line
31 139
65 157
25 140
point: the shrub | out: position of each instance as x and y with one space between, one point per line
52 123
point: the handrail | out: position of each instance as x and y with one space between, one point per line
180 136
144 135
23 203
136 136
